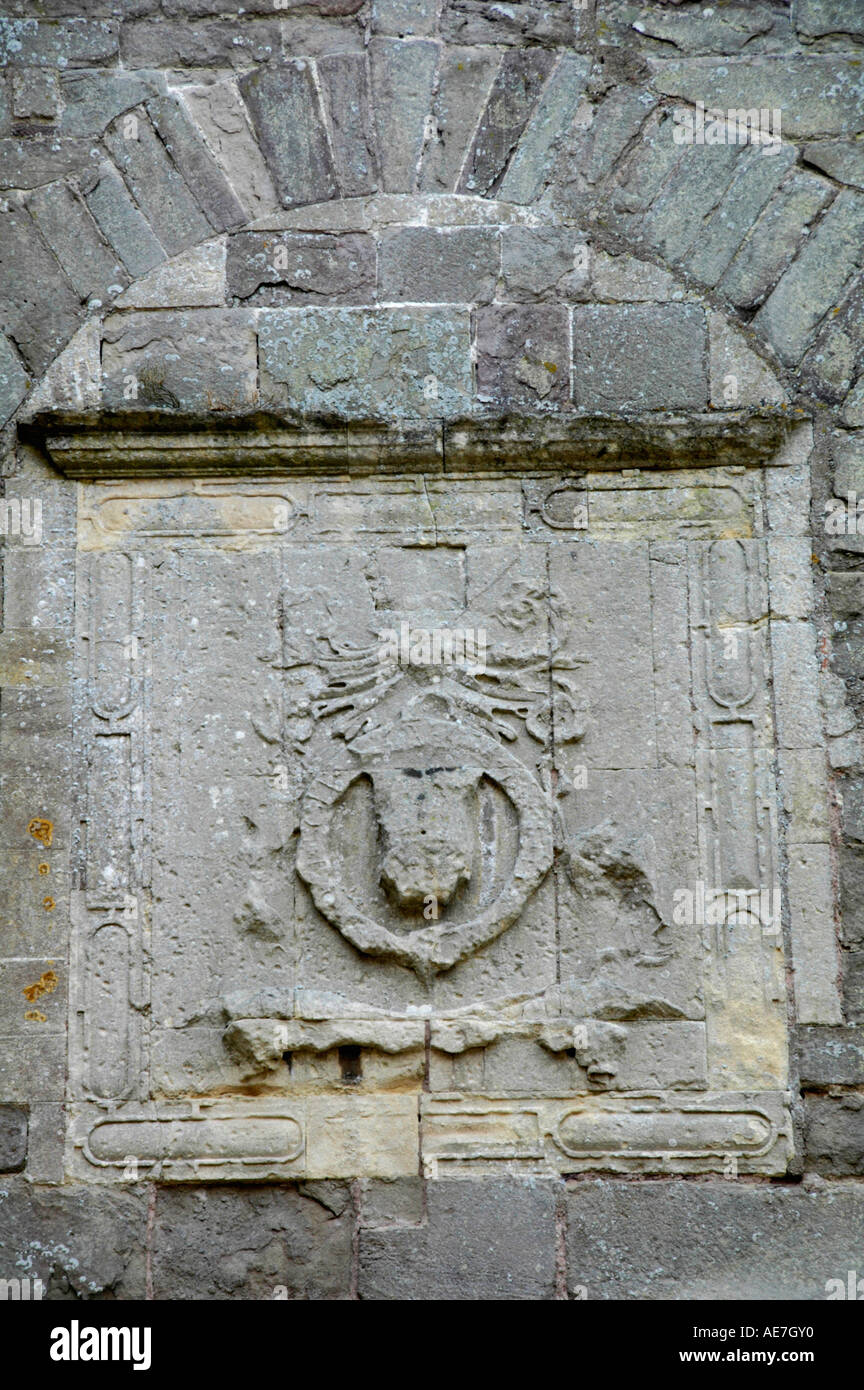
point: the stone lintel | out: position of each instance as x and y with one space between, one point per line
156 444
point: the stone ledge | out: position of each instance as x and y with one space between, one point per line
165 444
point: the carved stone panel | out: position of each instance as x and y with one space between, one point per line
429 822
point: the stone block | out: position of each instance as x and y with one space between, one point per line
67 226
438 264
399 363
83 1243
529 168
525 21
814 283
13 380
818 94
40 323
223 119
123 225
815 18
13 1138
464 79
80 42
267 268
286 113
197 360
636 357
511 101
834 1133
773 242
345 87
831 1056
544 263
493 1241
402 78
710 1240
35 94
814 940
167 43
250 1243
156 184
200 171
523 355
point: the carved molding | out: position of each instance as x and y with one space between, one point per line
147 444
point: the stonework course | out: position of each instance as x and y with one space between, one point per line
431 650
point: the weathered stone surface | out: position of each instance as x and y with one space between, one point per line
711 1240
834 1132
472 21
93 99
221 116
149 43
157 186
437 264
401 17
817 17
80 1242
814 283
267 268
39 159
725 30
402 76
70 231
755 180
529 167
638 357
39 324
13 1138
286 113
345 86
35 94
523 355
320 35
494 1242
818 95
463 82
195 278
79 42
831 1056
122 223
203 359
403 363
201 173
505 116
255 1243
13 379
773 242
544 263
842 159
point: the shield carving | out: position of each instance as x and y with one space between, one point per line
425 843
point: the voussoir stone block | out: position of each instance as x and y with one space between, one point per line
639 357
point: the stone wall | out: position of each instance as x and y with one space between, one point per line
328 316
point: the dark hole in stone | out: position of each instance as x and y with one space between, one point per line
351 1063
571 1052
288 1059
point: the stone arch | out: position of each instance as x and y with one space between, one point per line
352 138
